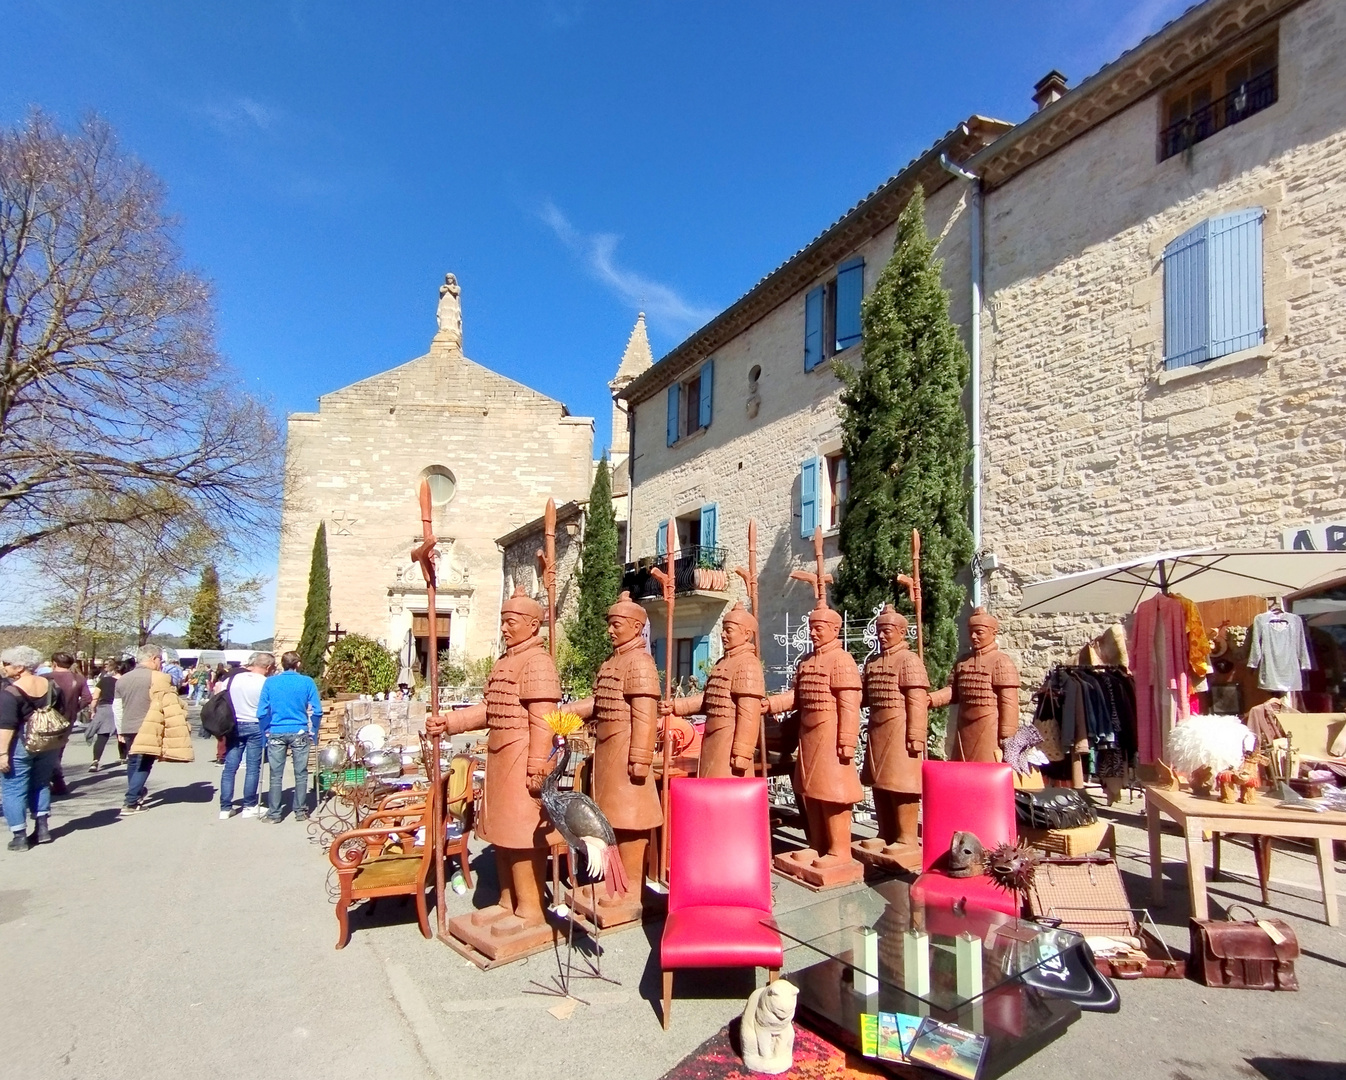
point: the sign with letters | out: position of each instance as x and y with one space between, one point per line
1315 536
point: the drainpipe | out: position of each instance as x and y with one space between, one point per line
976 261
630 479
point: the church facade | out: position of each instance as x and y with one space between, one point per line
493 451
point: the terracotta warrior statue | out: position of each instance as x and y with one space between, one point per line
521 690
732 701
897 691
985 687
625 707
826 696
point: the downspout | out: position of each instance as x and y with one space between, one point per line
976 271
630 479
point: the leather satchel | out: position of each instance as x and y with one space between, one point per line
1256 954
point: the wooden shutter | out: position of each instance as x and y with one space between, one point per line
813 329
1186 299
674 392
1234 244
710 525
808 497
707 387
701 657
850 291
661 539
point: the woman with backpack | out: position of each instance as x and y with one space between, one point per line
30 745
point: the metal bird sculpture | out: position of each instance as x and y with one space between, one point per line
577 817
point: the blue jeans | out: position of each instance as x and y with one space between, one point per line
137 776
244 744
296 745
27 785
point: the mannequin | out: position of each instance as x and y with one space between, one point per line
522 688
732 701
985 687
897 693
626 707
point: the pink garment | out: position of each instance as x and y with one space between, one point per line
1158 647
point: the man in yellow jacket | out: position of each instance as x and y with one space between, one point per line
162 734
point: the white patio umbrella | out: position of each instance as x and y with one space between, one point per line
1198 575
408 661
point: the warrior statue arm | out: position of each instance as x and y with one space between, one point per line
747 726
940 698
539 743
584 708
1007 700
644 724
682 706
918 720
848 723
473 718
780 703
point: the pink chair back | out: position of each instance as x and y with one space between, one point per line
964 796
719 843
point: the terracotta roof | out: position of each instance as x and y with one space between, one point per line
875 212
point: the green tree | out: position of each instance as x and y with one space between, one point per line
360 665
203 631
600 581
317 609
907 449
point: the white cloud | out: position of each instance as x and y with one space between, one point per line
663 305
241 113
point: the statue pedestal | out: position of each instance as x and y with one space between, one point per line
817 878
890 858
489 945
608 916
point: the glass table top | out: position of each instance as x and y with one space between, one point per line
938 956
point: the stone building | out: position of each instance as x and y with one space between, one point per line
636 360
519 549
1161 349
493 451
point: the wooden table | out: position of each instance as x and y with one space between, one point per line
1260 820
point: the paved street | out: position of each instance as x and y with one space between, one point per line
176 945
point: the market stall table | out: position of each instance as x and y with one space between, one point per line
1260 820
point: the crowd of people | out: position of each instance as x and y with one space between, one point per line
139 702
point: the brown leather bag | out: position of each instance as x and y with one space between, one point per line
1243 955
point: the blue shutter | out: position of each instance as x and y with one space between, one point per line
661 539
808 497
674 392
710 525
657 649
1234 242
707 387
813 329
700 657
1186 299
850 291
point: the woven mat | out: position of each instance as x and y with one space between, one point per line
814 1059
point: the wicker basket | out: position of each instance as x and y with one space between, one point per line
1079 841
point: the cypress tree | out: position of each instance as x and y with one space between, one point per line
203 629
599 581
907 448
317 609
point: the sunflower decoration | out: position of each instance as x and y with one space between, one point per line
563 723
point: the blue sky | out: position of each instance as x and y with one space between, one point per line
572 162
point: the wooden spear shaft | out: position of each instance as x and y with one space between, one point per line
749 577
548 554
425 556
667 579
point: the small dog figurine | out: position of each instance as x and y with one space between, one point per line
967 858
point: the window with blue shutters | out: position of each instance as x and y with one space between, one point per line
690 403
710 525
661 539
659 650
674 396
707 388
700 658
1213 289
832 314
808 497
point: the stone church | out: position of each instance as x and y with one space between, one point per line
493 451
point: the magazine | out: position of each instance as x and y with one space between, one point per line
948 1048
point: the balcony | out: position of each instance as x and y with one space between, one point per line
696 570
1251 97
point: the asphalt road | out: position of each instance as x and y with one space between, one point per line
176 945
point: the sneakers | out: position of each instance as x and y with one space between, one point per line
133 808
301 815
273 819
250 811
94 767
19 842
42 834
225 815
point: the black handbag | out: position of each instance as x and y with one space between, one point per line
1053 808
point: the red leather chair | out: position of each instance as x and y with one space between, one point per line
719 879
962 796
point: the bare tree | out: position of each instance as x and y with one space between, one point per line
110 387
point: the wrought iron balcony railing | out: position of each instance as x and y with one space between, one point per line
697 567
1251 97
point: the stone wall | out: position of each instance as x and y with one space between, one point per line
520 565
357 464
1093 453
750 465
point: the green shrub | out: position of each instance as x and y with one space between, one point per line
360 665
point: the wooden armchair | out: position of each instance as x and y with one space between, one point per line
381 860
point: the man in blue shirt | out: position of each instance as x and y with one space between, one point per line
289 714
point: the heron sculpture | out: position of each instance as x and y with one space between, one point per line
577 817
